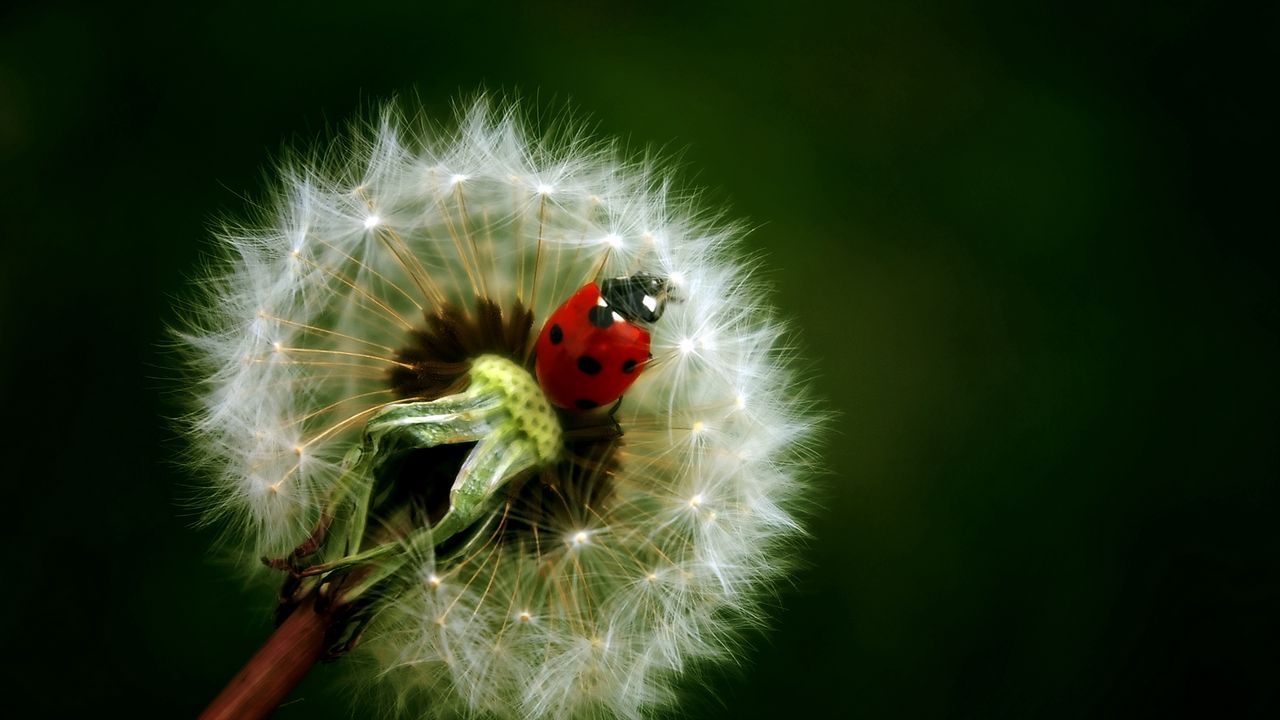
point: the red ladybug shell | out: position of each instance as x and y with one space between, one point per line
588 354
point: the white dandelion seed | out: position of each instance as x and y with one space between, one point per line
602 561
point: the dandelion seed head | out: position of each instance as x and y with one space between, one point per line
377 280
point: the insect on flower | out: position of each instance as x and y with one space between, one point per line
504 523
591 348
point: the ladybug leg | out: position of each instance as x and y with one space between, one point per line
613 417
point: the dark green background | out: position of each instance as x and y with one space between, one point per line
1028 250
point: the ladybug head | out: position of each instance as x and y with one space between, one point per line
641 297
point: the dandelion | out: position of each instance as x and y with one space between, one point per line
371 411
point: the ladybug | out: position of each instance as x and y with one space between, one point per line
595 345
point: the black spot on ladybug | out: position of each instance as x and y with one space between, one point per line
629 366
600 316
585 404
556 335
589 365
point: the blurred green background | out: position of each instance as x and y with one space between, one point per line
1029 248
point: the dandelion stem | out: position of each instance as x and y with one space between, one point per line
271 674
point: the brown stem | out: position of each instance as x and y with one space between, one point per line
268 678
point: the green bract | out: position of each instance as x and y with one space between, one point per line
513 428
